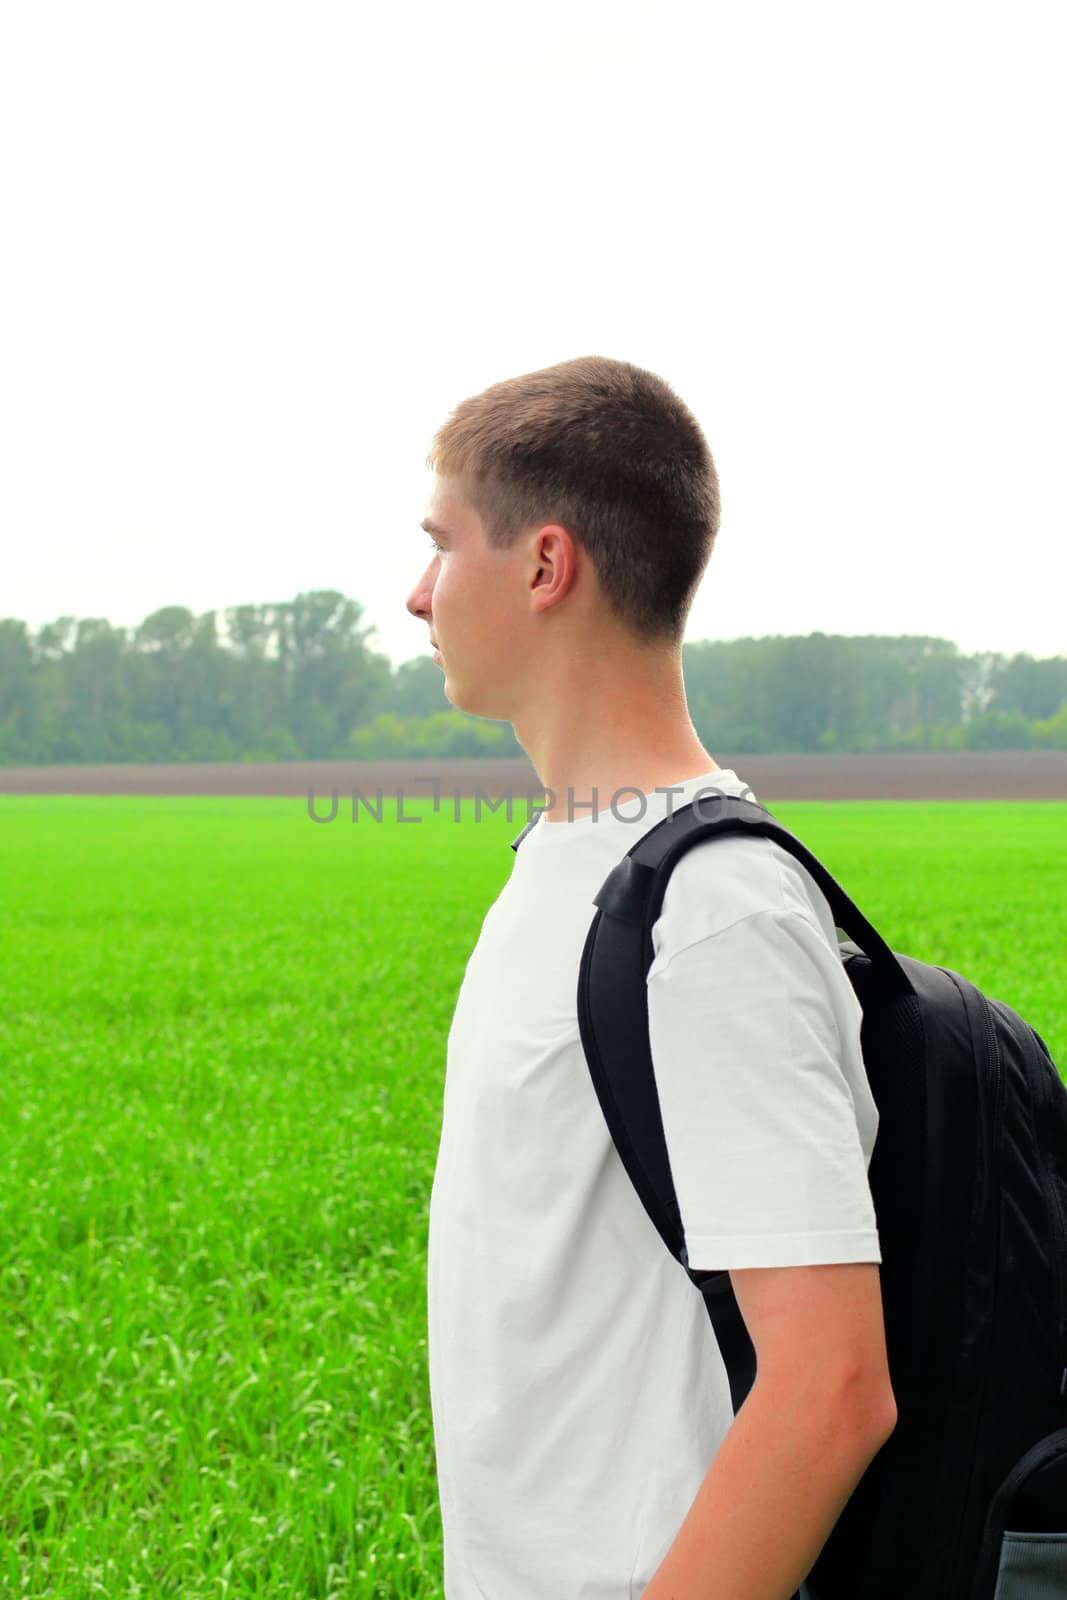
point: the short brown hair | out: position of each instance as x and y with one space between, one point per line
611 453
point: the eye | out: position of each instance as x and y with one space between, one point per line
438 547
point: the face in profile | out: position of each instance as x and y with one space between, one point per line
470 598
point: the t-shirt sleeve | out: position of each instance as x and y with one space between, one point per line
755 1042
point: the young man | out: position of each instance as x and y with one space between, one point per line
586 1448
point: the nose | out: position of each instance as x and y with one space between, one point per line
420 601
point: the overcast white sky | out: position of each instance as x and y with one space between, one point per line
254 253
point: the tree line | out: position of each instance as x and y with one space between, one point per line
301 680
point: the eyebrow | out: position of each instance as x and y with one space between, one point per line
431 527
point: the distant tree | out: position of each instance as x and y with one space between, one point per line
280 680
385 737
1051 732
95 691
254 702
54 639
999 730
979 689
820 692
156 668
205 671
167 632
1034 688
446 733
17 700
418 688
334 681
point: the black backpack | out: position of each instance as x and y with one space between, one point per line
967 1500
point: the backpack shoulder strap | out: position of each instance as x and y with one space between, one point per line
638 890
519 837
613 1020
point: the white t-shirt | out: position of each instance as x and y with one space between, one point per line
577 1391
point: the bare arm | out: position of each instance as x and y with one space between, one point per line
820 1409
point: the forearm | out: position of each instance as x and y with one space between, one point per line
772 1494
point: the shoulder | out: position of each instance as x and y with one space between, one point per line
721 882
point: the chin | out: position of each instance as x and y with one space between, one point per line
472 703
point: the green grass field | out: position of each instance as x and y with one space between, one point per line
222 1049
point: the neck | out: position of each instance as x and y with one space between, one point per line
613 722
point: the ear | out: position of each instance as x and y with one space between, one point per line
555 564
